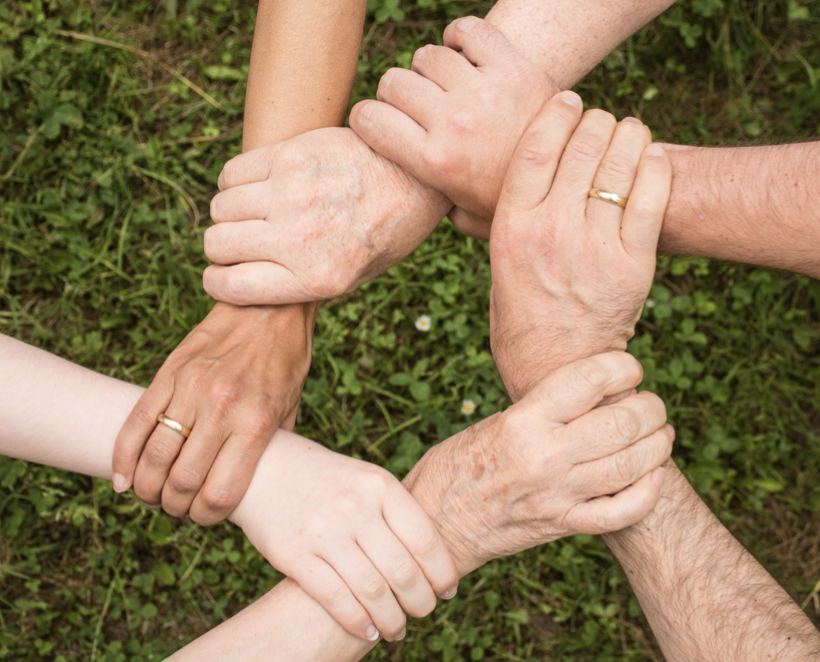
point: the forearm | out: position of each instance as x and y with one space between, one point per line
705 596
62 415
567 38
746 204
302 66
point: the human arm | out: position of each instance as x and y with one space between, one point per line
276 243
705 596
513 481
239 375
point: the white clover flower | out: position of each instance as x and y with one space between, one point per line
650 303
468 407
423 323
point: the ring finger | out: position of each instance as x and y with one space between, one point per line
159 453
444 66
616 174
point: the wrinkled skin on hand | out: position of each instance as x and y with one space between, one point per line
571 273
312 218
551 466
454 121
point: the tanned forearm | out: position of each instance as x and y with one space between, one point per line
704 595
746 204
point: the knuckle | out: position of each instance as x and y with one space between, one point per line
143 417
374 588
223 394
405 575
219 498
535 150
463 122
159 453
435 161
426 541
592 374
624 469
423 54
185 480
386 83
336 593
598 116
616 168
587 146
625 422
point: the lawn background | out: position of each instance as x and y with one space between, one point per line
109 154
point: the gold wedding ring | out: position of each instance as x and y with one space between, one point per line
606 196
176 427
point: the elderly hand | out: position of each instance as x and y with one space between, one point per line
349 534
234 380
550 466
455 119
312 218
571 273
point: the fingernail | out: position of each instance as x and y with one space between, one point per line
658 476
450 593
672 432
633 120
571 98
372 633
120 483
654 150
401 635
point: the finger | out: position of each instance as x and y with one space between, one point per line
162 450
245 241
136 430
322 583
607 430
255 284
469 225
190 469
417 534
615 472
392 134
645 210
254 166
533 167
482 43
617 175
627 507
248 202
582 158
228 478
404 576
444 66
576 388
414 95
370 588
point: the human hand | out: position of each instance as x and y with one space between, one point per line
349 534
455 120
550 466
234 380
312 218
571 273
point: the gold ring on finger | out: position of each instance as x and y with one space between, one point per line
607 196
174 425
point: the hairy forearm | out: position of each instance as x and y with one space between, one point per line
567 38
302 67
704 595
746 204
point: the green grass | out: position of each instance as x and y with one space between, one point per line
109 154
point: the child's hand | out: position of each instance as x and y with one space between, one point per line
349 534
455 119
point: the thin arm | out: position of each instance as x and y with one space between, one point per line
303 63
